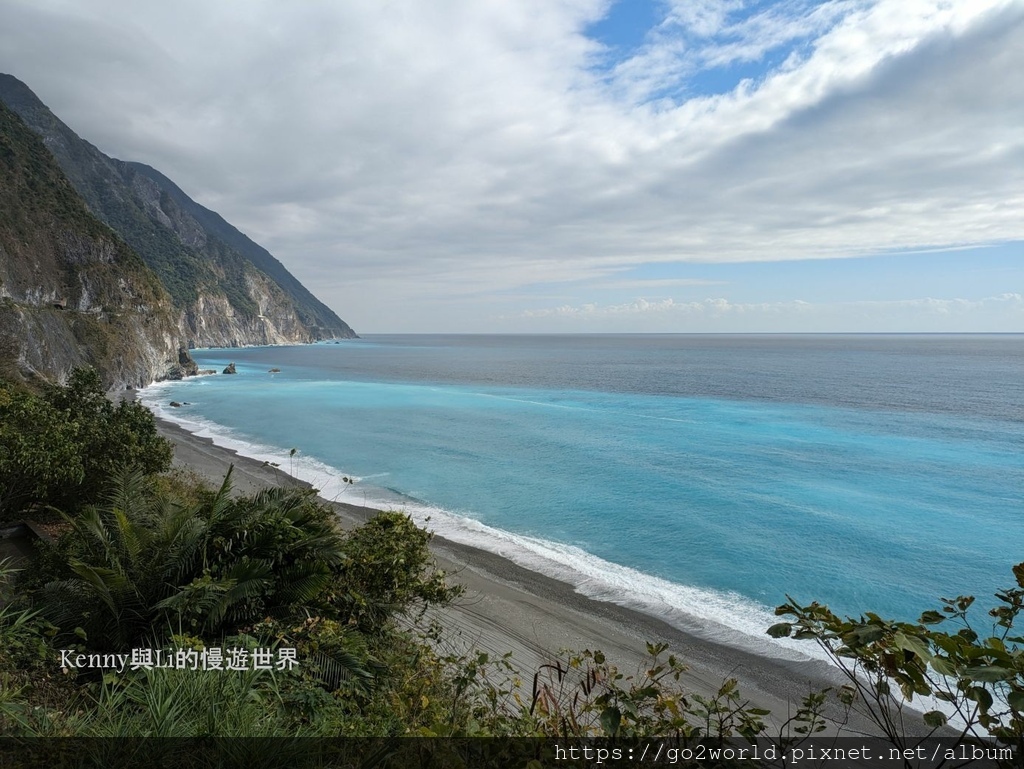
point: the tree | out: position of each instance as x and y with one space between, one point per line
109 436
61 448
39 451
978 673
388 569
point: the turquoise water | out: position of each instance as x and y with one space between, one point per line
701 479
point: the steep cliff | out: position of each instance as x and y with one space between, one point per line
227 290
71 291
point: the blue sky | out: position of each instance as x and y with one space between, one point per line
629 28
578 165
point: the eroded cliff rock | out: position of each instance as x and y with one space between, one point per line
226 290
72 292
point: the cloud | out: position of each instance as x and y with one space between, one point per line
654 283
384 150
985 314
709 34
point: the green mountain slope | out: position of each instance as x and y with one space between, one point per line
71 291
229 290
310 309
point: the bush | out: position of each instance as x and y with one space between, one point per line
388 569
976 672
61 448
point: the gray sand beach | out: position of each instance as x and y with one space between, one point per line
507 608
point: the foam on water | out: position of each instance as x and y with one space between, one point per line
721 617
700 480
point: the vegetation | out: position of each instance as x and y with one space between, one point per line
53 249
61 448
234 246
151 560
973 676
191 250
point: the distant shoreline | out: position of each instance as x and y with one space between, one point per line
508 608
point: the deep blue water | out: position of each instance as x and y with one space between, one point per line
701 478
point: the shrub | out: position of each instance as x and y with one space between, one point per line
388 569
977 672
62 447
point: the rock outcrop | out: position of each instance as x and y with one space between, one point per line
226 290
109 263
72 293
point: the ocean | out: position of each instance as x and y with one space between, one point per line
698 478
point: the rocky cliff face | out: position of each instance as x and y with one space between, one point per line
71 291
226 290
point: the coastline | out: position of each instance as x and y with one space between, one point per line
509 608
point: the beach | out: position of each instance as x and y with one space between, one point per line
507 608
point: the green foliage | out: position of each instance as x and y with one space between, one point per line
583 695
143 560
39 452
978 674
388 569
61 448
34 188
22 632
336 657
110 436
25 657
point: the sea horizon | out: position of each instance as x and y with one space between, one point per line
662 424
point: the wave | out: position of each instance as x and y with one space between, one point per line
718 616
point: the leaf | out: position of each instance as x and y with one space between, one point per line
1018 572
863 635
1016 701
936 719
988 674
968 634
656 649
611 718
980 695
932 618
913 644
780 630
846 694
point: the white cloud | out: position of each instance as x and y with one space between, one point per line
384 150
655 283
717 33
1002 312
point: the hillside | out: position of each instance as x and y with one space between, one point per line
71 291
227 290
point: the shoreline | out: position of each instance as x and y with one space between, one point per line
509 608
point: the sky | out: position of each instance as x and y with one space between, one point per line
578 165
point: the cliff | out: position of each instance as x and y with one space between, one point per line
71 291
226 290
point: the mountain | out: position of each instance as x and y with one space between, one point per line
71 291
227 290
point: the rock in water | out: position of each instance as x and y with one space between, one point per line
230 369
188 366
